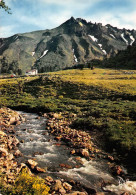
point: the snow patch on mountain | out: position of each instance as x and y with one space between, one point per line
75 58
113 36
93 38
100 45
33 53
44 53
122 36
104 52
133 39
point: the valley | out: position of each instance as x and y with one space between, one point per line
99 103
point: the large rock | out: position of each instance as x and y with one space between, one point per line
73 151
45 115
2 134
77 193
12 142
55 115
39 170
67 186
12 120
3 152
49 179
10 157
57 187
84 152
31 163
17 153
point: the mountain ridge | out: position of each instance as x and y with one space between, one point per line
125 59
75 41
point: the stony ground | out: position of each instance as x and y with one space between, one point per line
9 168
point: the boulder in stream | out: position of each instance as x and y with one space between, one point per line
31 163
39 170
17 153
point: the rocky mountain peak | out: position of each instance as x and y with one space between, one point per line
73 42
69 22
72 19
73 26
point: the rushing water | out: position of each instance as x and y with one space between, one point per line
37 144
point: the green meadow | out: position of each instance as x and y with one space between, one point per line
102 99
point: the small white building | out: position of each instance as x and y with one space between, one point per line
32 72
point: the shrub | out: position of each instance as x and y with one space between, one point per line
26 184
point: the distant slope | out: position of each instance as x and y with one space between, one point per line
125 59
75 41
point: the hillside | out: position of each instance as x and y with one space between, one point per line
74 42
125 59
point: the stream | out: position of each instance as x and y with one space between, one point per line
37 144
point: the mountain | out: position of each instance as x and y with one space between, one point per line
74 42
125 59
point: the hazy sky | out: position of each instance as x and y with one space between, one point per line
30 15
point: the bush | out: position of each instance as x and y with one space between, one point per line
26 184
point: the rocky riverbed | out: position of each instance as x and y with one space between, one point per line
9 168
80 146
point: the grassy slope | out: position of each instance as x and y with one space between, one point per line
103 99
